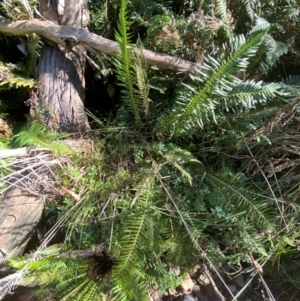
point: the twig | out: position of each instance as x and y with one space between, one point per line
216 290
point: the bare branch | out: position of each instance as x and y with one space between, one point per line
60 34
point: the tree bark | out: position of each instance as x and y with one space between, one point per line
61 90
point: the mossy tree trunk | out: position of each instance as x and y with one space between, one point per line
61 71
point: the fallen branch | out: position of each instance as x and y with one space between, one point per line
216 290
14 153
59 34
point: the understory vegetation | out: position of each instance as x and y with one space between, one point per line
181 169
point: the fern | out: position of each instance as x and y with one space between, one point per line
124 65
10 78
38 135
275 49
246 204
131 240
176 157
247 94
195 103
221 10
127 286
33 47
268 54
74 279
249 6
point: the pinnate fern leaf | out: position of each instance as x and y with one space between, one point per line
128 287
195 103
131 240
124 65
38 135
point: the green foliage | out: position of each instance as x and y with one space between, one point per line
16 80
33 48
197 103
71 278
209 191
16 10
10 77
127 74
37 135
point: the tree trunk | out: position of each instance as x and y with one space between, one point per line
61 72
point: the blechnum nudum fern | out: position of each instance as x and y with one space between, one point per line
130 69
37 135
217 87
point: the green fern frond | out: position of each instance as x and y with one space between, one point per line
293 80
176 157
292 85
131 240
126 286
249 6
195 103
17 82
9 78
33 47
86 290
221 9
248 94
275 49
268 55
124 65
38 135
51 270
231 190
73 279
143 190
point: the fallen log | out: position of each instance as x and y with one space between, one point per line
23 195
20 213
61 34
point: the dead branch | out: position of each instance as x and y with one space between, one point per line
61 34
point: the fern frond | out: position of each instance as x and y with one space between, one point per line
33 47
221 9
143 190
9 78
248 94
249 6
275 49
126 286
268 55
231 190
176 157
195 103
292 85
38 135
131 240
73 279
293 80
124 65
